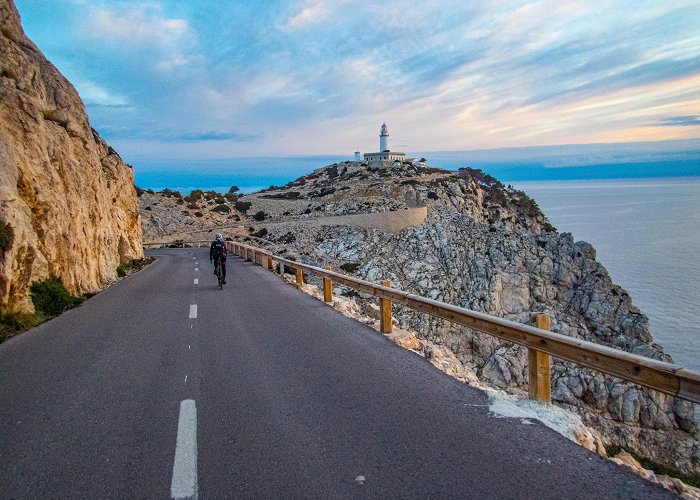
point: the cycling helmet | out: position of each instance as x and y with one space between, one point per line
218 237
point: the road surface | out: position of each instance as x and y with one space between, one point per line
165 386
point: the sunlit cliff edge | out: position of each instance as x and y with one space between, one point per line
67 200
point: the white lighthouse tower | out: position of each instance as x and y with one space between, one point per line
384 156
384 139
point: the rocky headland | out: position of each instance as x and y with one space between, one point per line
169 216
68 205
487 247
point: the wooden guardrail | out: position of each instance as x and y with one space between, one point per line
541 343
176 244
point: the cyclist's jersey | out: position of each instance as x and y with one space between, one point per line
217 249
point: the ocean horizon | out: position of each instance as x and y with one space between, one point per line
252 174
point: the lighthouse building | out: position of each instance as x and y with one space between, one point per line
384 155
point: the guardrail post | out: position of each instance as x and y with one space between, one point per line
327 287
385 325
300 275
539 367
270 266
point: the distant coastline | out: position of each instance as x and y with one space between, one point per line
253 174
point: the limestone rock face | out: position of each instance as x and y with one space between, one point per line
68 196
489 248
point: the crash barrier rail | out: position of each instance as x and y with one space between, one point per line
177 244
540 342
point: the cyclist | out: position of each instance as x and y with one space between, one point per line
217 250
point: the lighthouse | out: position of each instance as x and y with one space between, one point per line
385 156
384 139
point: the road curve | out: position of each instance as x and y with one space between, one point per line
159 385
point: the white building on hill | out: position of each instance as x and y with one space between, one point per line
384 155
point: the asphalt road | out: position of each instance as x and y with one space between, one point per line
161 387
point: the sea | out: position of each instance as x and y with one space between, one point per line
646 233
642 217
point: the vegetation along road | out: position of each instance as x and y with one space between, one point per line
164 385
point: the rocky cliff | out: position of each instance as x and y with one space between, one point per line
486 247
67 196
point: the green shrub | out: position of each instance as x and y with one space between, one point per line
260 234
50 297
657 468
221 208
7 236
52 116
350 267
196 194
549 227
12 324
123 268
243 206
233 189
259 216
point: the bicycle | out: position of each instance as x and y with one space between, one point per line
218 272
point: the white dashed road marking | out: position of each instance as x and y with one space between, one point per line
193 311
184 482
196 281
196 269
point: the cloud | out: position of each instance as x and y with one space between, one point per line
135 23
254 78
176 136
679 121
312 12
93 94
209 136
172 63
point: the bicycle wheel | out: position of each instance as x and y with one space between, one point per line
220 275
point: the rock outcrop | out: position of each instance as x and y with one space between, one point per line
168 216
68 197
488 247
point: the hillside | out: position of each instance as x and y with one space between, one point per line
67 200
168 216
486 247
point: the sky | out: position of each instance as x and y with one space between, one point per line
206 79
